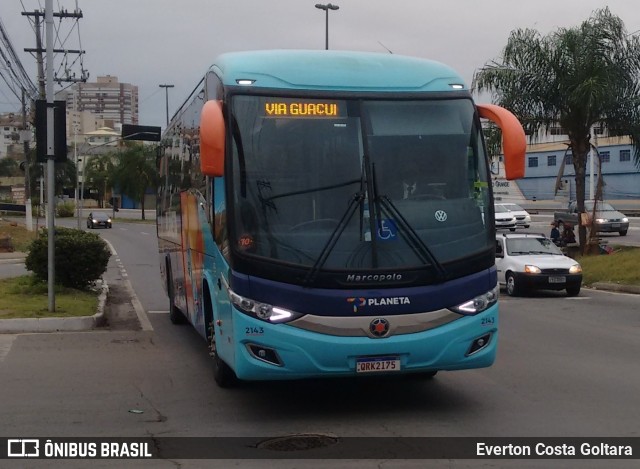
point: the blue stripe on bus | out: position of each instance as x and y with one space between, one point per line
364 302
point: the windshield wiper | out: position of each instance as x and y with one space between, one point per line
355 202
410 236
406 230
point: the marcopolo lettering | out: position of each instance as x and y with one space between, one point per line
374 278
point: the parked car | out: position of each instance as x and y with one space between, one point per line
528 262
504 218
96 219
608 219
523 219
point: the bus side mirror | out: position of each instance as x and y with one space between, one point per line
212 132
514 143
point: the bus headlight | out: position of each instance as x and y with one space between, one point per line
478 304
262 311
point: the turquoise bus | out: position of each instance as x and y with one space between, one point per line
329 214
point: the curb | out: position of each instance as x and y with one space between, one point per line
616 287
73 324
12 258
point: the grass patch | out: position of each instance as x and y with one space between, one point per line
621 266
26 297
20 237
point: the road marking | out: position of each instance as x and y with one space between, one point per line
144 233
145 323
6 341
157 312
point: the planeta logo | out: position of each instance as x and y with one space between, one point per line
357 303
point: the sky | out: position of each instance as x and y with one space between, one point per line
152 42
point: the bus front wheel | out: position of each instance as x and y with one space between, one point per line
222 373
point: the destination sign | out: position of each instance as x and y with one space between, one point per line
301 109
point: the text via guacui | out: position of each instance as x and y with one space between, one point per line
301 109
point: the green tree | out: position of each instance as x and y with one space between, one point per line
9 168
135 171
100 173
576 77
66 175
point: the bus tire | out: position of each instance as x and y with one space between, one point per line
175 315
224 376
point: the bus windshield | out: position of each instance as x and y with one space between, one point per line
358 184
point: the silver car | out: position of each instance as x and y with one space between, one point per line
523 219
504 218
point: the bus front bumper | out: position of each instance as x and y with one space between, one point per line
281 351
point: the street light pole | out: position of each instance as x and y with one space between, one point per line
326 8
166 95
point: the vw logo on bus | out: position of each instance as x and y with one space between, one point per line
441 215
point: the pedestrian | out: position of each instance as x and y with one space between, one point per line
555 233
568 235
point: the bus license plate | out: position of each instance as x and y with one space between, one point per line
557 279
377 364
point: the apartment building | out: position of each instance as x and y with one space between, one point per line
103 103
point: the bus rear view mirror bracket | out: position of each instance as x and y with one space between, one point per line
514 142
212 139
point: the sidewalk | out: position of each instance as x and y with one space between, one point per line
628 206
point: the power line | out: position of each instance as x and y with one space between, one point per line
17 78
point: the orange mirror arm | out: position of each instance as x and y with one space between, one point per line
514 143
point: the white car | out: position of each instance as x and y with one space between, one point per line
523 219
504 218
533 262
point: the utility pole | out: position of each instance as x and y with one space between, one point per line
27 163
166 95
45 85
51 157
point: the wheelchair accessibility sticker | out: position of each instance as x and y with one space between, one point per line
388 230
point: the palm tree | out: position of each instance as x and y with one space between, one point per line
135 171
576 77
